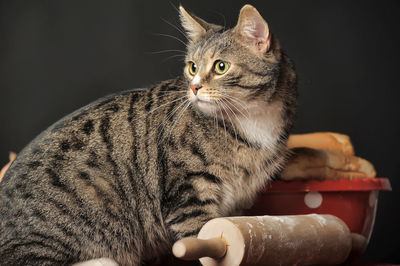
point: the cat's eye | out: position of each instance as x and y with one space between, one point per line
192 68
220 67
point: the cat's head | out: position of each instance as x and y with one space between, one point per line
230 69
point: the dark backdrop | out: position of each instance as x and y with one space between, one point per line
56 56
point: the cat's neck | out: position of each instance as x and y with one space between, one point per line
261 125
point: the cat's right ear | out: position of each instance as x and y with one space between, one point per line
252 30
195 27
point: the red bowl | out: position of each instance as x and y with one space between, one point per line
353 201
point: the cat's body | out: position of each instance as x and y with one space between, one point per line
129 174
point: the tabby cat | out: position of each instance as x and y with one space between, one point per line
129 174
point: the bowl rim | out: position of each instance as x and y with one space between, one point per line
363 184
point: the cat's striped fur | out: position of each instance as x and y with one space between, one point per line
129 174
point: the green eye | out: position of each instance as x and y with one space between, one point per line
221 67
192 68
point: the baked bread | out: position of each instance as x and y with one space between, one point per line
324 155
11 157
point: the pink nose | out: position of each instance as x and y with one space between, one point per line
195 88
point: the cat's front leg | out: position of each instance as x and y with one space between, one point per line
191 203
188 224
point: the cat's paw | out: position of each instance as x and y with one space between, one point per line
307 163
97 262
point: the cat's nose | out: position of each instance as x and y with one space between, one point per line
195 88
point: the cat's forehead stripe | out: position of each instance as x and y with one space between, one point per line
210 46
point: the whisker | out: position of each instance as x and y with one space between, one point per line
229 117
223 120
169 115
165 94
177 28
167 51
240 123
178 118
166 104
174 91
244 104
221 15
241 103
173 56
173 6
171 36
175 109
215 121
236 92
233 126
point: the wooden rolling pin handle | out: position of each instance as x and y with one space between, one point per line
191 248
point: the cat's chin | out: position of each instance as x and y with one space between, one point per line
206 107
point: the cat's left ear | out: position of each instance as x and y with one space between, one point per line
195 26
252 30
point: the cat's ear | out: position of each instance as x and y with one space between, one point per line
252 30
194 26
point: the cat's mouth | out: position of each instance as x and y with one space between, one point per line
202 102
205 103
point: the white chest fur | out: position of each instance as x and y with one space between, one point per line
262 125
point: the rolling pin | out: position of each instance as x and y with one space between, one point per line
269 240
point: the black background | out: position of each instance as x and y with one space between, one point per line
56 56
